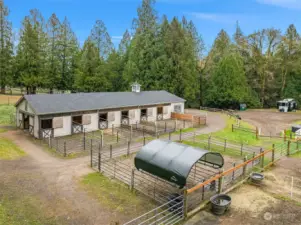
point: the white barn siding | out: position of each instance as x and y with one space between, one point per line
153 117
136 118
65 130
117 119
182 107
36 127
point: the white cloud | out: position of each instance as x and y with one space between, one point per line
292 4
216 17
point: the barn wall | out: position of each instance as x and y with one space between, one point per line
22 107
136 117
36 127
168 114
117 119
94 122
66 129
153 117
182 106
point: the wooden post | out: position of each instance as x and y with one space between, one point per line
241 148
221 182
284 135
209 142
165 127
256 132
273 153
114 168
233 173
132 180
131 134
245 167
185 208
91 152
117 136
111 151
143 141
128 150
225 145
180 135
99 157
143 130
112 129
253 158
288 148
262 159
65 151
84 139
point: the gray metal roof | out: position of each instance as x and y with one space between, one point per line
173 161
63 103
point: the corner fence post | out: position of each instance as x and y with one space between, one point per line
65 151
288 148
221 182
185 208
273 153
245 167
91 150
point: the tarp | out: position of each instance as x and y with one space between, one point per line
173 161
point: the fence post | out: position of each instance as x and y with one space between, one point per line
143 130
233 173
256 132
209 142
180 135
253 158
262 158
165 127
232 128
221 182
225 145
132 180
128 150
99 157
65 152
143 141
288 148
284 134
245 167
91 152
117 136
114 168
273 153
111 151
84 139
185 208
131 134
112 129
241 148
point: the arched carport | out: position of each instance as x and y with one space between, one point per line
173 161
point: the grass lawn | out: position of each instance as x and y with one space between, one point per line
116 195
6 111
8 150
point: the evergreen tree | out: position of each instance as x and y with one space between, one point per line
69 50
100 36
6 48
32 52
53 29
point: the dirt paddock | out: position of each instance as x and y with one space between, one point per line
270 122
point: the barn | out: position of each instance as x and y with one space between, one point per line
55 115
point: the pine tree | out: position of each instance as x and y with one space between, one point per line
53 29
100 36
32 52
69 50
6 48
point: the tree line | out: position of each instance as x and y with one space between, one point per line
160 54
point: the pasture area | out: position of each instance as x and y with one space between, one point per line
9 99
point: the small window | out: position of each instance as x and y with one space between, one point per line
46 124
77 119
178 108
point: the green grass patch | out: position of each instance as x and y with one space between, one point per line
9 150
186 130
2 130
6 113
116 195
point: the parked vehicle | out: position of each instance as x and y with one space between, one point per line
287 105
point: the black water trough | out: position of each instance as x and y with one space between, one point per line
220 203
256 178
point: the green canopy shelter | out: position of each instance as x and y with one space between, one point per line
173 161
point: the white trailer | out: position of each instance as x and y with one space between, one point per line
287 105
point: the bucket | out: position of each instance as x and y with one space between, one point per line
256 178
220 204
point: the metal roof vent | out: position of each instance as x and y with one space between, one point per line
136 87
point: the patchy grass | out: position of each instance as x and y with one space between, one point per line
9 99
6 112
8 150
116 195
186 130
2 130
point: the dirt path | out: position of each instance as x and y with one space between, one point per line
270 122
55 182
